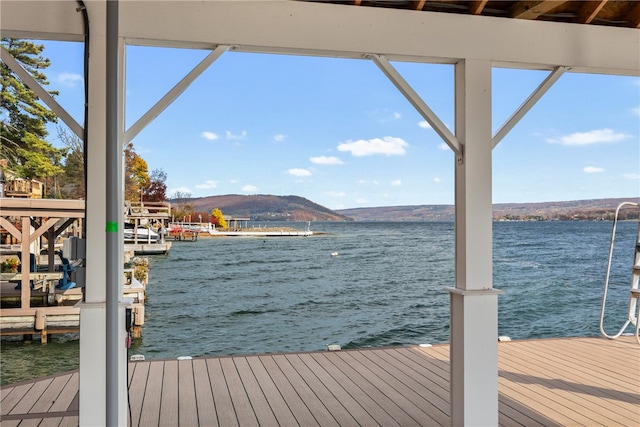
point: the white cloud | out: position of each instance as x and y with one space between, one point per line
437 180
249 188
631 176
326 160
597 136
208 185
375 182
362 181
182 190
361 201
299 172
424 124
335 193
636 111
397 115
242 135
443 146
592 169
209 135
388 146
397 182
279 137
70 79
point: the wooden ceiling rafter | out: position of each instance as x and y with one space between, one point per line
533 9
618 13
477 6
634 16
419 5
589 10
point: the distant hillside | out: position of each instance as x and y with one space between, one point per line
572 210
267 208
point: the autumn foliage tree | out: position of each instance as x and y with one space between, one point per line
218 218
136 174
157 189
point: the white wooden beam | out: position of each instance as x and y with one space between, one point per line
41 93
320 29
171 96
528 104
417 102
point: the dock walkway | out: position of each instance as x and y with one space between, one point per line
544 382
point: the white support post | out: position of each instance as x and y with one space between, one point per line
93 310
474 304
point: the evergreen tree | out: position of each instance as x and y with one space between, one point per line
23 118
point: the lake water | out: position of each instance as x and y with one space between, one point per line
385 287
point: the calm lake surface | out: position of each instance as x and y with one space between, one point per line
384 288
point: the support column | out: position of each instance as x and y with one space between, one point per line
93 310
474 304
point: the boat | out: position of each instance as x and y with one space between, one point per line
139 235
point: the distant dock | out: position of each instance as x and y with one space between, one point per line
191 231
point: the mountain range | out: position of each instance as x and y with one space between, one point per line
296 208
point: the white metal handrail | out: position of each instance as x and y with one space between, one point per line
634 293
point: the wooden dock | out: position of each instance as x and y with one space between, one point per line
546 382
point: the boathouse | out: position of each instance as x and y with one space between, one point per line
475 36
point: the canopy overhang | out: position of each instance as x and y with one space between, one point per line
332 30
474 44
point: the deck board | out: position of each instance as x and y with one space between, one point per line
47 399
239 398
150 402
169 397
330 394
546 382
139 373
337 388
187 407
204 396
278 406
221 396
290 396
256 396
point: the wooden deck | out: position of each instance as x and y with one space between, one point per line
550 382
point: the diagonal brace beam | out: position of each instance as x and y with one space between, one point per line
528 104
417 102
171 96
43 228
4 223
41 93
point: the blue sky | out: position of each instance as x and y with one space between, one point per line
338 132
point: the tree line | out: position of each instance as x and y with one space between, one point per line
27 153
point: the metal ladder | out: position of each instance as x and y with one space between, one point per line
633 312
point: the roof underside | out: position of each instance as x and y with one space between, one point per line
616 13
516 34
